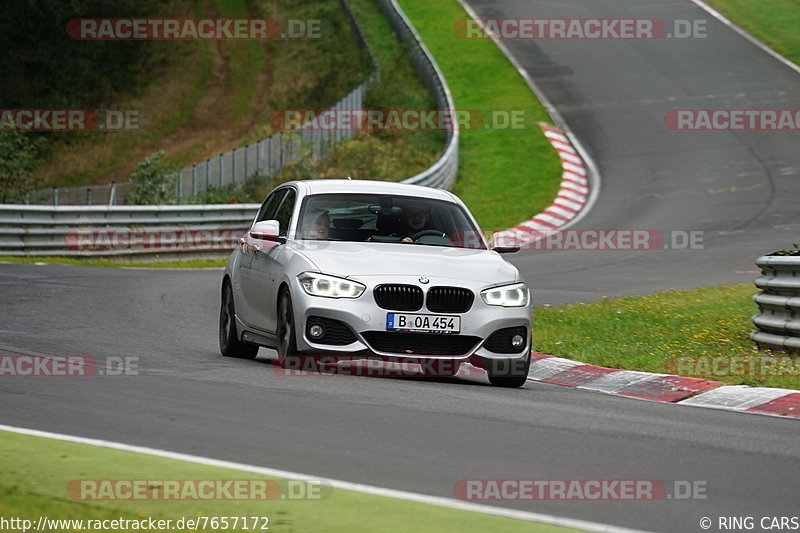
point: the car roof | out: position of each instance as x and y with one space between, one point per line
320 186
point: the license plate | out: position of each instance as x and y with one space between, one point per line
423 323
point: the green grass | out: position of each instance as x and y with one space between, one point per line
379 155
37 472
775 22
201 57
121 262
505 176
246 58
643 333
399 87
170 122
308 73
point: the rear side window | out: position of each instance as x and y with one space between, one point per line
284 212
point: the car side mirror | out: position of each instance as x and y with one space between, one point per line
267 230
505 243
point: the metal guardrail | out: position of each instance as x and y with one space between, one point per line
106 194
442 174
778 319
144 231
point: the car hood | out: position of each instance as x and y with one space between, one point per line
381 259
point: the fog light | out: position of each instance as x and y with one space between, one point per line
316 331
517 341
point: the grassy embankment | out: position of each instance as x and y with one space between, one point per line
645 333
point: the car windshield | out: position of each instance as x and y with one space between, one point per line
388 219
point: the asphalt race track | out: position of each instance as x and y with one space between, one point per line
425 435
416 435
739 188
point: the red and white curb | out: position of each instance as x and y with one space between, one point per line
682 390
572 195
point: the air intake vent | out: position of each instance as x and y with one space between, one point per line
450 299
398 297
500 340
335 332
420 343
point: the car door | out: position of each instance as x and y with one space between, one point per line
267 267
249 290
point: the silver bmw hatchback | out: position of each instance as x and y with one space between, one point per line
357 268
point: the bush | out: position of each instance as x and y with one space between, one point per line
154 182
235 193
19 154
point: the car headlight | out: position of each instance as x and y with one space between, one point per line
326 286
516 295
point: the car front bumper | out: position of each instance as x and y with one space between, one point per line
363 315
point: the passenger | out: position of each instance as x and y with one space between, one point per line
316 224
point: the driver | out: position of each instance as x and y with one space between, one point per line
415 218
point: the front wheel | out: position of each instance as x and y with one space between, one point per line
287 342
508 373
229 343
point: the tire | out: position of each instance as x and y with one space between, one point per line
229 343
287 342
508 373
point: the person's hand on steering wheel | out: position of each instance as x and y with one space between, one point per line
424 233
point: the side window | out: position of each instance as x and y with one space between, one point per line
270 205
284 214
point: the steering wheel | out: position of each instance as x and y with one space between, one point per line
427 232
